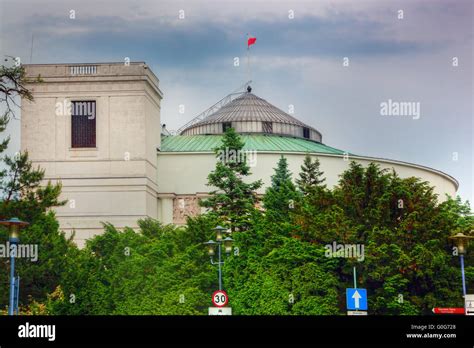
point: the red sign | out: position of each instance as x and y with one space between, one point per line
439 310
220 298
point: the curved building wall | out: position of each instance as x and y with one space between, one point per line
182 176
244 127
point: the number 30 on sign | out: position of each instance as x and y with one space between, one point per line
220 298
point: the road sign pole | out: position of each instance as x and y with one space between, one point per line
220 270
13 241
461 257
17 299
355 278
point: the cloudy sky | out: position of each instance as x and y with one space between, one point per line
297 60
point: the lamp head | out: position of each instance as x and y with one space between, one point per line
210 247
228 245
461 241
15 225
219 232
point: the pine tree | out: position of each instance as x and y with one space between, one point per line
24 196
310 175
280 196
234 200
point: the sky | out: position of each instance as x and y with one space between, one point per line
412 51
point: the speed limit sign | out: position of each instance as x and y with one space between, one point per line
220 298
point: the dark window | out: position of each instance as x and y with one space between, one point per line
305 132
267 127
83 131
226 126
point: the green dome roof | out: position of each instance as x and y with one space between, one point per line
257 142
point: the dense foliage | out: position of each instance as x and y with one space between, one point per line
279 263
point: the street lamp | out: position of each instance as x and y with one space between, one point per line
219 241
461 241
228 245
14 224
210 247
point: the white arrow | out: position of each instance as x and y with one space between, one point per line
356 298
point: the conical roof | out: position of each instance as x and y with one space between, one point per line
249 113
249 107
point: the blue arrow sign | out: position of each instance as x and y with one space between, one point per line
356 299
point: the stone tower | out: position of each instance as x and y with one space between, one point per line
96 128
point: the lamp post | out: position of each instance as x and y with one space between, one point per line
14 224
461 241
211 245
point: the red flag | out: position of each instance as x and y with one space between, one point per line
251 41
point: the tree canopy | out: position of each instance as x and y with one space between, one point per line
408 267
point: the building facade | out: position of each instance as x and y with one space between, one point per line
96 128
107 160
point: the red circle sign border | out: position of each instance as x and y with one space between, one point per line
226 298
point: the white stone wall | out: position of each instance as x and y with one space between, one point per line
186 173
116 181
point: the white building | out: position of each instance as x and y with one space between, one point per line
96 129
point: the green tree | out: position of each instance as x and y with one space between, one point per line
234 200
23 194
160 270
275 274
409 266
41 273
279 198
310 175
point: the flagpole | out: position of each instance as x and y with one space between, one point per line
248 58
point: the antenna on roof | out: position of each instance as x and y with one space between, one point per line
31 50
227 99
